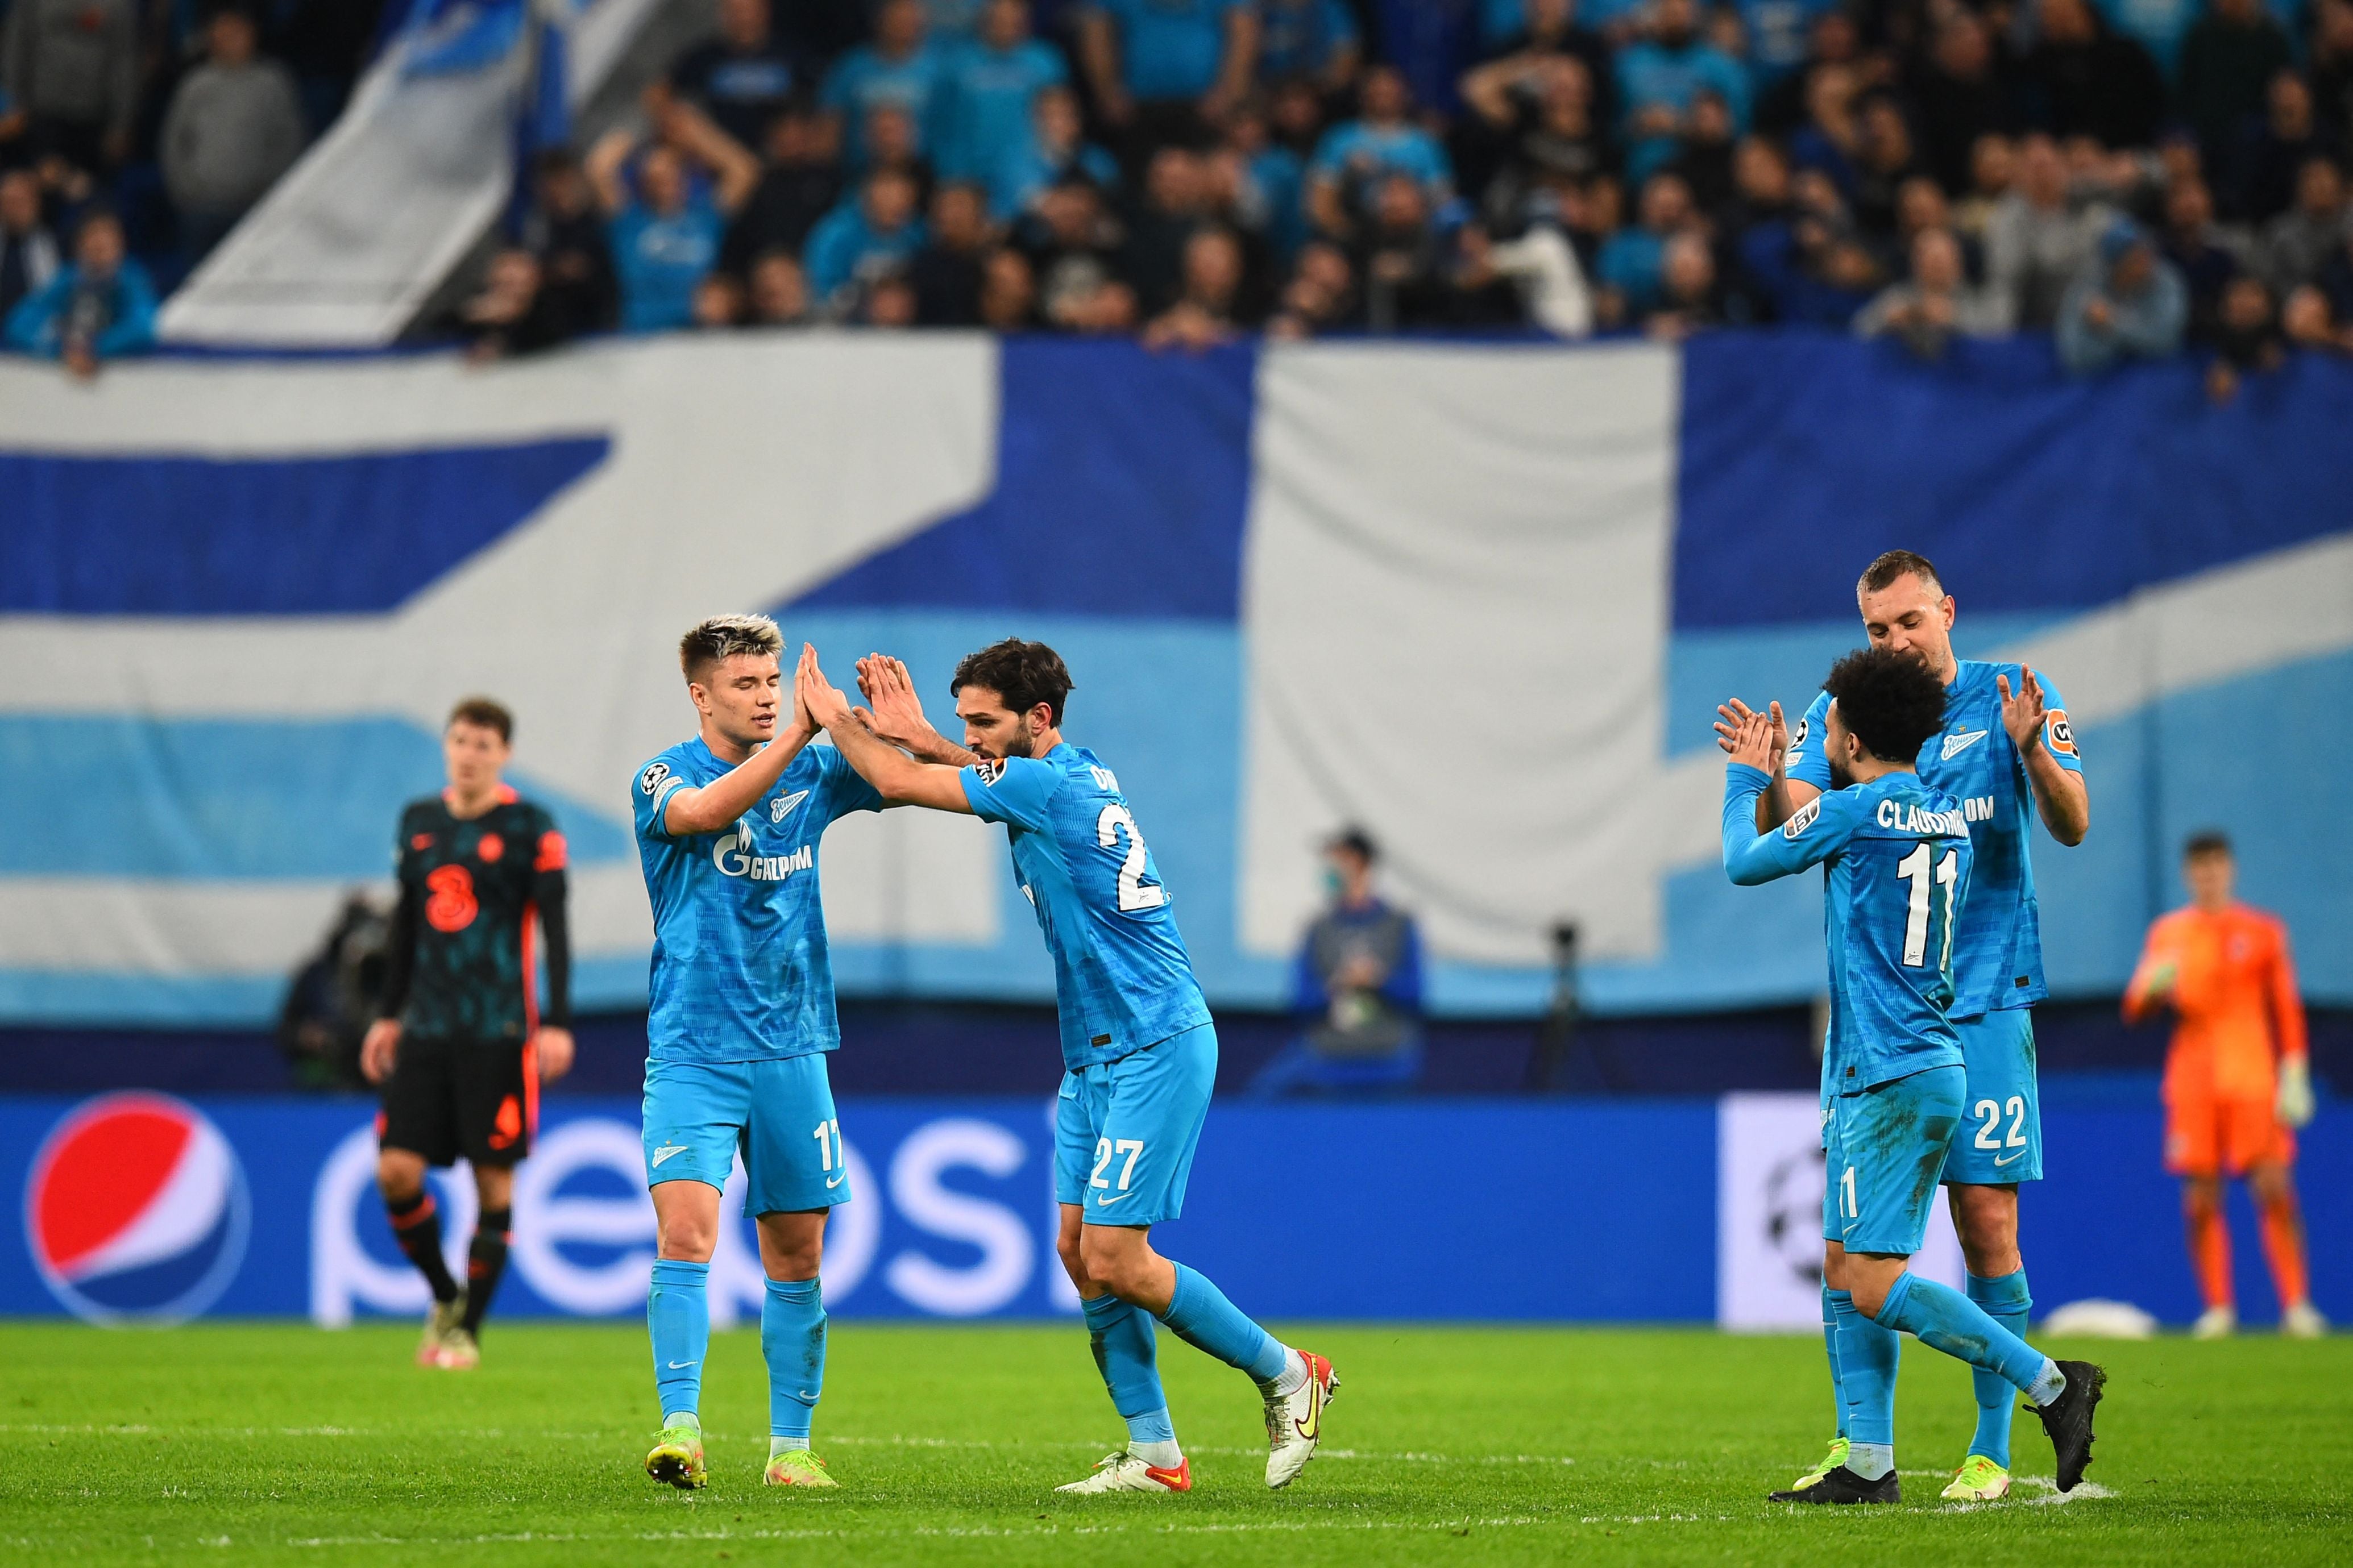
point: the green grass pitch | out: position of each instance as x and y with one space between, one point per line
285 1444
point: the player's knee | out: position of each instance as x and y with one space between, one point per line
1121 1269
687 1239
399 1176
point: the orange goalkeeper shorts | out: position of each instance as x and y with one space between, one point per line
2209 1137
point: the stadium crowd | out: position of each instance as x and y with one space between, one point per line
135 133
1189 170
2137 179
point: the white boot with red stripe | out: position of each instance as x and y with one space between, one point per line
1295 1416
1130 1472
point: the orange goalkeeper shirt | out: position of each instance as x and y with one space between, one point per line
2234 993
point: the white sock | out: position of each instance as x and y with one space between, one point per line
1294 1373
2048 1384
1871 1460
786 1445
1159 1456
686 1418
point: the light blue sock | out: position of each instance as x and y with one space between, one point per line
1127 1354
792 1337
2006 1302
678 1316
1200 1314
1943 1318
1829 1347
1867 1357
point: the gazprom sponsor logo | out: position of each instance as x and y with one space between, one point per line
1978 808
733 856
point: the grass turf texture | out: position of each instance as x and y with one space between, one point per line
287 1444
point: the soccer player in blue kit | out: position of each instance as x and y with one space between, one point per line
741 1016
1137 1042
2006 752
1898 858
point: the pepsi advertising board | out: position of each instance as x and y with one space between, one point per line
141 1207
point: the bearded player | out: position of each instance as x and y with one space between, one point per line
463 1043
2008 754
1140 1051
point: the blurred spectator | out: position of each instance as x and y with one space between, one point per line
666 233
1884 161
72 69
1809 265
1266 182
1689 299
1705 158
333 998
891 142
2269 154
1543 269
863 238
2298 243
1175 202
947 272
899 69
2195 247
1321 296
2127 303
1158 68
718 302
100 307
1357 156
800 181
1549 34
1779 33
742 79
2331 69
2246 337
1632 265
1550 134
1056 149
2086 80
511 314
2039 241
886 300
1008 292
1310 40
1660 77
1957 95
778 292
1993 165
1935 305
1395 250
1070 241
234 125
28 250
994 85
2228 60
1207 308
1357 983
2307 321
566 233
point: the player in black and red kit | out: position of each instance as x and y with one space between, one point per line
463 1044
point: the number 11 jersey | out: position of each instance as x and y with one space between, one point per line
1122 980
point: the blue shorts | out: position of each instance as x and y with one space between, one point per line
1124 1131
778 1114
1884 1150
2000 1138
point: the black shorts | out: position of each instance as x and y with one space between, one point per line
448 1098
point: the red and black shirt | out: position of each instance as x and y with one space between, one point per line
462 964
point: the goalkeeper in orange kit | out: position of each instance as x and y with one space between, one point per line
2238 1081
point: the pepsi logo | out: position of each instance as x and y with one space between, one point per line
137 1210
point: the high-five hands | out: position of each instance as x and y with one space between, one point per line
2022 713
820 697
896 713
1734 724
1754 738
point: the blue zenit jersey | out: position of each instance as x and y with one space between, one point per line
741 972
1122 979
1998 951
1896 854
